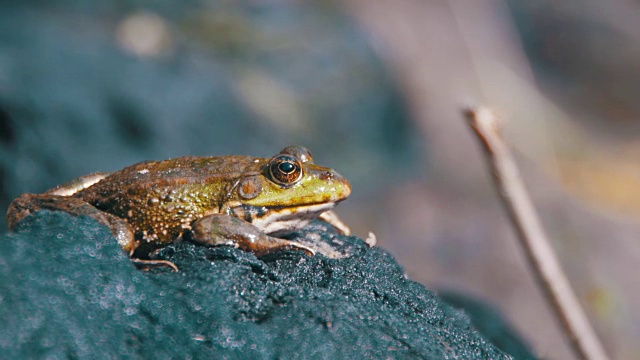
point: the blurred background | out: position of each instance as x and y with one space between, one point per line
375 90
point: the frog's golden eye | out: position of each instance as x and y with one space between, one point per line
285 170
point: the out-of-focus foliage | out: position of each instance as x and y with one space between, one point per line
586 55
564 78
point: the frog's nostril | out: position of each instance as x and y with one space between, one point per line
327 175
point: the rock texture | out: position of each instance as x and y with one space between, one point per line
68 291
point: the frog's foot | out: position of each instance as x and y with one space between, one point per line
332 218
28 204
218 229
146 265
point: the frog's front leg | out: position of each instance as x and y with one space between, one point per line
221 229
332 218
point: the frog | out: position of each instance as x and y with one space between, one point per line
246 202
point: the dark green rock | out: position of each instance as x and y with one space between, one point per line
68 291
491 324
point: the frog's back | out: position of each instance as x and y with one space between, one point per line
186 168
174 172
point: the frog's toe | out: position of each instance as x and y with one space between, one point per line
152 264
269 245
298 246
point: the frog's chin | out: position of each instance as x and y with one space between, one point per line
285 220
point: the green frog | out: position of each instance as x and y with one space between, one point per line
240 201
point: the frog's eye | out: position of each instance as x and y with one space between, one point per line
285 170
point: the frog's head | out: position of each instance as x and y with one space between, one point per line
288 191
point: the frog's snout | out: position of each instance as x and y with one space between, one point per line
342 185
327 184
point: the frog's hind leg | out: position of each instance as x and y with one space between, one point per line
220 229
28 204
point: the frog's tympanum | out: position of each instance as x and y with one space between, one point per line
239 201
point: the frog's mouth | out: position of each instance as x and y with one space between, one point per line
280 221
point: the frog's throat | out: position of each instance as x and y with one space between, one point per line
279 221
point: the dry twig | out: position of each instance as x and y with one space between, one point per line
538 250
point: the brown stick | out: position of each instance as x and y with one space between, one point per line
538 250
